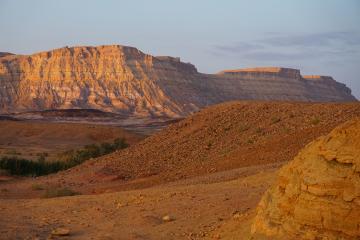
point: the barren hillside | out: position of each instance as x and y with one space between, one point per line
222 137
204 202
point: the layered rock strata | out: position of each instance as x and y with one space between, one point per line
125 80
317 195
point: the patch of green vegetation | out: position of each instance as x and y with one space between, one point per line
259 130
243 128
275 120
37 187
59 192
42 156
20 166
286 130
315 121
250 141
25 167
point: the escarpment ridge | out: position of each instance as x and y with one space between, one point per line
125 80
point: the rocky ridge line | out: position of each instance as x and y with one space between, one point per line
125 80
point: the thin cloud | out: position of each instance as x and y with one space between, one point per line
296 55
314 39
276 46
239 47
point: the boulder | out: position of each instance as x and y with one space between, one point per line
316 195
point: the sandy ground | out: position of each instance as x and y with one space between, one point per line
199 208
207 173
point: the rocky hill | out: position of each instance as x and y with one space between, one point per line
317 195
219 138
124 80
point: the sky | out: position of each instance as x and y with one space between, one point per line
316 36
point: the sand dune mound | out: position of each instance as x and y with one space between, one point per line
317 195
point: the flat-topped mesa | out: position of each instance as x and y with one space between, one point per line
169 58
176 61
3 54
268 71
318 78
91 52
123 79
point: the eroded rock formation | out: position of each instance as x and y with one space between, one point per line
317 195
125 80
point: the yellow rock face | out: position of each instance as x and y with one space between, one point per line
125 80
317 195
112 78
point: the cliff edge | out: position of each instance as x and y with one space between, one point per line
125 80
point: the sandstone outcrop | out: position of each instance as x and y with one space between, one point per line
124 80
317 195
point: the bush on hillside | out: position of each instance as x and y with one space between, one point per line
21 166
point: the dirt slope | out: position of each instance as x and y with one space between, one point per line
196 207
222 137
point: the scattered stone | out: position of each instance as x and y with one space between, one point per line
167 218
120 205
60 232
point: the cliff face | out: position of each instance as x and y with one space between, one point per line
317 195
123 79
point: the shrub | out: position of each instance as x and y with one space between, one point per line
259 130
243 128
20 166
275 119
315 121
37 187
59 192
250 141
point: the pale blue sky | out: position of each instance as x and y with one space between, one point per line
316 36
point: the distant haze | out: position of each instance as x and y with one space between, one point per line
318 37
